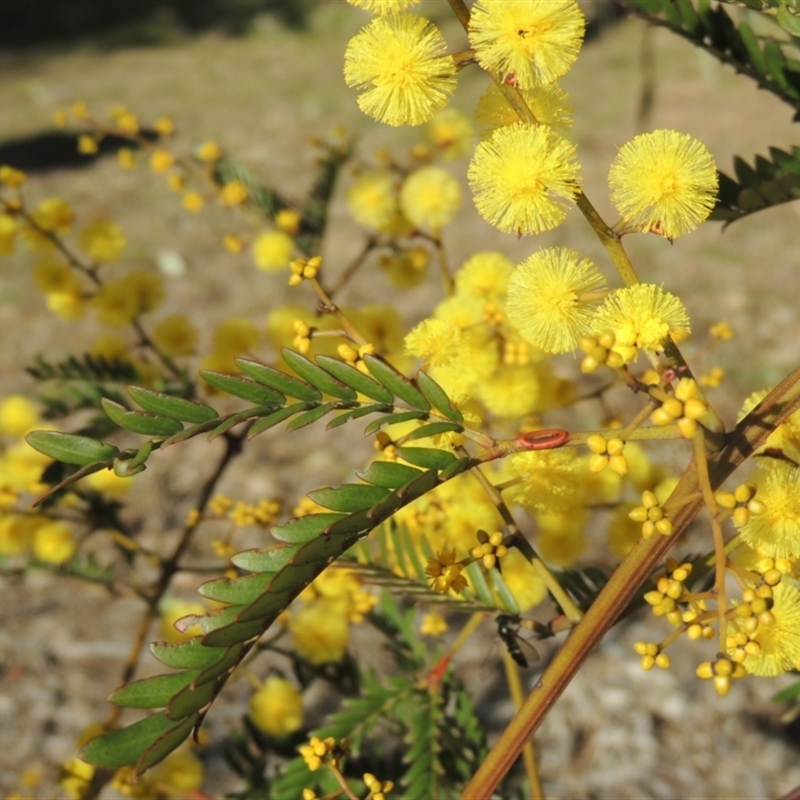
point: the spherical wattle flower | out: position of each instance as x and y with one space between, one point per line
399 63
548 298
372 199
272 251
641 316
430 197
528 41
522 178
664 182
277 707
548 103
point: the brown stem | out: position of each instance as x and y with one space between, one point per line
751 433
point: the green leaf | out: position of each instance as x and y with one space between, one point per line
356 413
71 449
753 50
396 383
165 744
426 457
241 387
388 474
302 529
267 607
169 406
477 580
235 419
438 397
192 698
153 692
394 419
309 417
774 60
269 376
788 694
270 560
419 486
240 591
457 467
357 380
503 593
271 420
691 22
140 421
185 655
227 635
125 747
317 376
788 21
349 497
434 429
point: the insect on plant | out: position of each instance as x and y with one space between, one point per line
508 631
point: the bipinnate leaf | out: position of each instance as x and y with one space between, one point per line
397 384
140 421
711 28
126 746
286 384
438 398
186 655
153 692
309 417
71 449
169 406
434 429
426 457
357 413
394 419
349 375
770 182
303 529
388 474
317 376
243 388
275 418
349 497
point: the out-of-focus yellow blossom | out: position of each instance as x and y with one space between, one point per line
55 276
21 467
172 609
54 215
17 531
126 158
560 539
109 483
180 774
277 707
552 480
115 304
74 777
430 197
164 126
232 243
433 624
288 220
146 287
234 193
549 104
103 241
53 543
273 250
8 229
13 178
176 335
434 341
161 160
373 199
18 416
384 6
68 306
193 201
209 152
110 346
451 133
87 144
233 337
320 631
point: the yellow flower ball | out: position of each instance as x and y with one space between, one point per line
235 336
372 199
18 416
176 335
107 482
181 772
277 707
320 631
172 609
430 197
69 306
53 214
53 543
273 250
103 241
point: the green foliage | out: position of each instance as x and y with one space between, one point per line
768 183
712 29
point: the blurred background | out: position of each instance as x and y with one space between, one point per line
262 77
